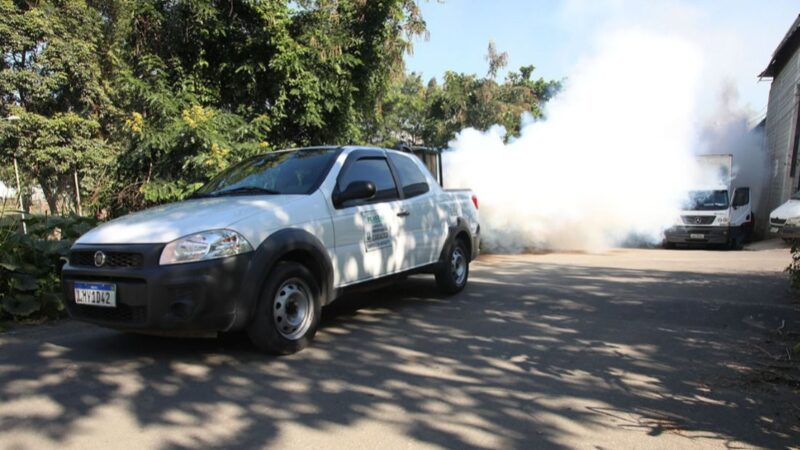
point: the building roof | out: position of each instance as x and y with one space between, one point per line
784 52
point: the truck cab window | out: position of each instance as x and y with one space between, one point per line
411 177
375 170
741 197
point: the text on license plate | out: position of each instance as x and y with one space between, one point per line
96 294
697 236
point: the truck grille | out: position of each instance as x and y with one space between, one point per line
113 259
776 221
698 220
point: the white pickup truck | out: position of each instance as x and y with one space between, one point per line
264 245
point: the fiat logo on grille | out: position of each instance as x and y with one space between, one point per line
99 258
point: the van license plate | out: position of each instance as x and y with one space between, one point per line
773 230
96 294
697 236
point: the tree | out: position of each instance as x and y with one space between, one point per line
496 60
209 81
433 114
148 99
403 109
50 77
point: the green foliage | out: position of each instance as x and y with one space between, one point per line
30 264
794 274
145 100
433 114
794 268
206 83
52 82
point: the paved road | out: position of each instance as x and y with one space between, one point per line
629 349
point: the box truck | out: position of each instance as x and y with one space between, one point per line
717 211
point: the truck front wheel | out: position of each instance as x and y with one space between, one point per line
288 311
452 276
737 239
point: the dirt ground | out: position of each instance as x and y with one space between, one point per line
625 349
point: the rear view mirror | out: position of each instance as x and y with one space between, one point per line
741 197
357 190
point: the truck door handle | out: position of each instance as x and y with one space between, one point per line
403 213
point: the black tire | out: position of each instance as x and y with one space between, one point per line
667 245
452 277
289 286
736 241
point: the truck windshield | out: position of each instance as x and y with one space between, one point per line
295 172
707 200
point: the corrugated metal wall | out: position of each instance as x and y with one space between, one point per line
780 128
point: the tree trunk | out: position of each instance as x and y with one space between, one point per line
50 196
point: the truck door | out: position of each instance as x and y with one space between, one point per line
368 232
741 209
425 230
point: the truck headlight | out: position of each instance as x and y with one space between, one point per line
202 246
794 221
723 220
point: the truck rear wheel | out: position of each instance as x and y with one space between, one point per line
288 312
452 277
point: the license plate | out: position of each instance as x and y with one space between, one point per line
697 236
773 230
96 294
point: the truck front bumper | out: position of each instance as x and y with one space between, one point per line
198 297
790 232
697 235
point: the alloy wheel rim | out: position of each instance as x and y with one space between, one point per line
458 266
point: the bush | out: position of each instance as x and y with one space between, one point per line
794 267
30 264
794 273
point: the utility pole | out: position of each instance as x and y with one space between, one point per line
19 185
77 192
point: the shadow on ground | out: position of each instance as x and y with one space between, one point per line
528 356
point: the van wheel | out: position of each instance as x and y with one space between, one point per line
288 312
453 275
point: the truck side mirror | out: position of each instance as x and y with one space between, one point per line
741 197
357 190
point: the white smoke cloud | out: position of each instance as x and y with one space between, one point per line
730 131
613 158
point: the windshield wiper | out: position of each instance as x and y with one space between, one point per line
244 190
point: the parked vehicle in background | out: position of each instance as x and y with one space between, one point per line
784 221
264 245
717 212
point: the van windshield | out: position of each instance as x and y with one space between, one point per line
295 172
707 200
796 196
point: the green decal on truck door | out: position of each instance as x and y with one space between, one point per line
376 232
